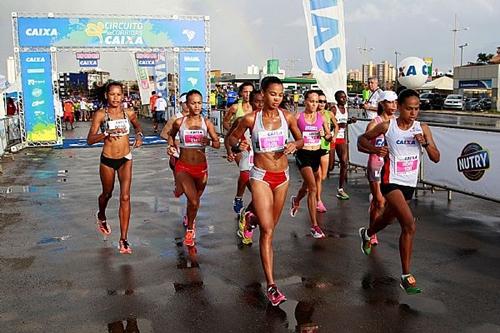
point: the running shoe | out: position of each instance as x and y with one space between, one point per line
237 205
342 195
251 220
366 246
275 296
320 207
295 206
241 223
316 232
409 284
124 247
373 239
247 237
189 237
102 226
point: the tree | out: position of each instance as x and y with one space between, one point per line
483 58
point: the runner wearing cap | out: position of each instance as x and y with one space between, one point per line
405 138
387 107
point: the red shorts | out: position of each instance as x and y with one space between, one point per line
198 171
340 141
272 178
69 117
245 176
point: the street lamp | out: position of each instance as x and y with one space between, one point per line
456 29
461 47
397 70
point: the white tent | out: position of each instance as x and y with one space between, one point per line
444 83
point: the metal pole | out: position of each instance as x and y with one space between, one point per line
461 54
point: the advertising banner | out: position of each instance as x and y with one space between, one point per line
161 75
87 62
326 34
145 86
112 32
38 102
192 73
470 161
354 131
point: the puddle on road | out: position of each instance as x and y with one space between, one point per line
50 240
418 304
46 192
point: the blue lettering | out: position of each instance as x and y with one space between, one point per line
425 70
326 29
411 71
328 66
319 4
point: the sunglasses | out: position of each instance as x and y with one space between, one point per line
322 101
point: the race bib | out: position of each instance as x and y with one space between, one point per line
406 165
250 157
193 138
271 141
341 133
311 138
119 124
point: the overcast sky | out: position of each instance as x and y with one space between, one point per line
245 32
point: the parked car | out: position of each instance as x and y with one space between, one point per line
455 102
431 101
473 104
485 103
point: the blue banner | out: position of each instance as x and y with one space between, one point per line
192 72
110 32
87 62
38 102
146 62
161 75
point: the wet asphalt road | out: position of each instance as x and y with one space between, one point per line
58 275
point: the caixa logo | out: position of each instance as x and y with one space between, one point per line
473 161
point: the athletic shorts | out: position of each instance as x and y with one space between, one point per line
160 116
272 178
407 191
115 163
245 176
308 158
340 141
325 152
198 171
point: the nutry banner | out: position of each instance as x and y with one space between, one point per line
38 102
110 32
354 131
470 161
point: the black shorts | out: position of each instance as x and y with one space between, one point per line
407 191
308 158
114 163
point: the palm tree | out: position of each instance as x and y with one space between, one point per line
484 58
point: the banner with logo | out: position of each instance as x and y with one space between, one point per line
325 30
470 161
192 73
113 32
142 75
38 102
161 75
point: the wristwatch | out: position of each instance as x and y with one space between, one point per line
425 145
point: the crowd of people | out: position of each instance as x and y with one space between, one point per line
260 136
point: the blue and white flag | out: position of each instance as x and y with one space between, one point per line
325 30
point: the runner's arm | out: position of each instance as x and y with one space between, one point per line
226 123
335 126
213 135
243 124
139 135
291 147
364 140
165 132
326 128
429 145
94 136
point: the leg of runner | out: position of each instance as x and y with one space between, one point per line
377 205
240 189
322 172
107 175
125 178
309 186
331 159
268 205
341 150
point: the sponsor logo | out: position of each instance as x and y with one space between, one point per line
193 81
32 82
190 34
473 162
406 141
37 92
35 59
36 32
37 103
35 70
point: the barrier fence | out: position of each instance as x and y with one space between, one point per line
10 133
470 159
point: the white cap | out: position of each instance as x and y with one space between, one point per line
388 95
182 99
158 94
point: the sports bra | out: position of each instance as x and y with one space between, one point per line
267 141
191 138
111 124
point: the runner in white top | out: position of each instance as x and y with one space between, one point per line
405 138
371 105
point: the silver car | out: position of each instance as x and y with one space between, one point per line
455 102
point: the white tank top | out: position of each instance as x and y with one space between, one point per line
341 119
246 162
191 138
404 155
267 141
